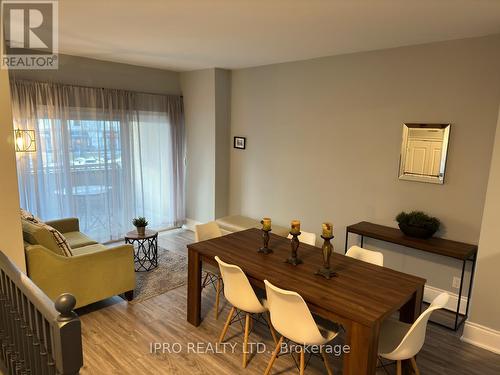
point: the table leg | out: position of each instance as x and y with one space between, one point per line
194 288
408 314
363 342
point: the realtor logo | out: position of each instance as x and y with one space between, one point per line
29 34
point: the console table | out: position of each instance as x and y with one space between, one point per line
458 250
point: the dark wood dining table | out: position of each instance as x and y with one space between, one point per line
360 297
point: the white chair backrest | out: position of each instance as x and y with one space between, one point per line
291 317
415 337
306 237
365 255
207 231
237 288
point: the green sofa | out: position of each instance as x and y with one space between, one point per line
94 272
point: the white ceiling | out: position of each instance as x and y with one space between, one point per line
195 34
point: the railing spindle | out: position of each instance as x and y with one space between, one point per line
37 337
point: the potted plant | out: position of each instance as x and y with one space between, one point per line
417 224
140 223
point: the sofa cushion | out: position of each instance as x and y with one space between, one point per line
78 239
37 233
89 249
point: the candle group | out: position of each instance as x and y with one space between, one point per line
266 223
327 230
295 227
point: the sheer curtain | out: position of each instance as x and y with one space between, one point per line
103 155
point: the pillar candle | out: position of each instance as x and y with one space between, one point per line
295 227
266 223
327 229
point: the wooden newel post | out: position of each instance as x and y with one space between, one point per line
68 343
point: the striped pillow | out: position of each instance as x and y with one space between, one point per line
58 237
30 217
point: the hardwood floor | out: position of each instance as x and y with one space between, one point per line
117 339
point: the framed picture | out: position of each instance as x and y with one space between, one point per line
240 142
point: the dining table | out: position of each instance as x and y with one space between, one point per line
359 298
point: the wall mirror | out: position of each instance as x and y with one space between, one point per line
423 152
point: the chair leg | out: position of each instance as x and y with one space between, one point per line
204 283
325 360
414 365
302 361
398 368
245 339
217 295
129 295
271 328
226 326
273 356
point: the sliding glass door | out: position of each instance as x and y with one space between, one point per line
103 165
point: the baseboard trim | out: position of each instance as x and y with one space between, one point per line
190 224
431 292
481 336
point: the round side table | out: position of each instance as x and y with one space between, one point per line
145 249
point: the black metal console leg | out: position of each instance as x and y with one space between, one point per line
346 240
457 313
470 286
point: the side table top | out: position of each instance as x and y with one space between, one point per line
133 235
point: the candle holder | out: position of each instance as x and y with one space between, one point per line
294 244
327 248
265 242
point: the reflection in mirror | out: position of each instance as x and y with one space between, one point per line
423 152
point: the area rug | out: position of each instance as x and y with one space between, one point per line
171 273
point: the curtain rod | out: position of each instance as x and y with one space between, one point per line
13 78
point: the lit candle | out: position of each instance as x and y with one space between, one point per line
266 223
295 227
327 230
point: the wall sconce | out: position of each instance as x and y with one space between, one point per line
25 140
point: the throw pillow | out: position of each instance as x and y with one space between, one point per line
30 217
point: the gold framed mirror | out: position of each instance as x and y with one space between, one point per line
423 152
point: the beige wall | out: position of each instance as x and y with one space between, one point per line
324 138
485 308
82 71
206 105
11 242
199 108
222 142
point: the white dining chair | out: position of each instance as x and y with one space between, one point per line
242 297
306 237
370 256
292 319
401 341
203 232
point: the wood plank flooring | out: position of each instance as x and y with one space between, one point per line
117 339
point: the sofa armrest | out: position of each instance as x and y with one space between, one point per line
69 224
89 277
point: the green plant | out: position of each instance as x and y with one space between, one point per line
419 219
140 222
